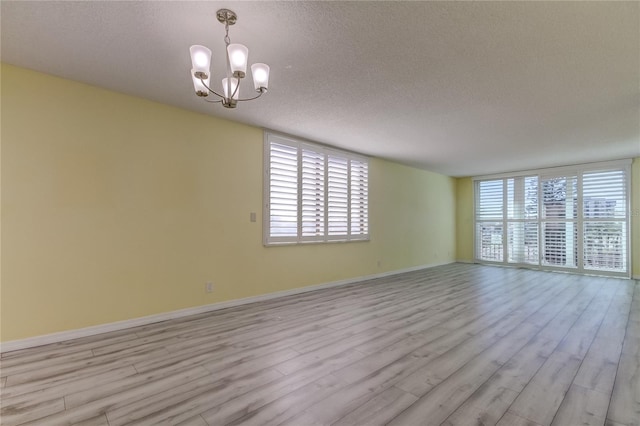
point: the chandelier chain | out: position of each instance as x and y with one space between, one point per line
227 40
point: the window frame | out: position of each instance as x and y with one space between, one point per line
300 145
580 220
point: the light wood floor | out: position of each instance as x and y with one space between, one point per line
452 345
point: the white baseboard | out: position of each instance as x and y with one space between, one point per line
465 261
636 277
14 345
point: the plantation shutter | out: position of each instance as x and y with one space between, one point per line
566 218
359 199
490 220
283 192
314 193
559 197
522 220
313 166
337 195
604 209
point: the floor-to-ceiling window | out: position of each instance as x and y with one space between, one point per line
570 218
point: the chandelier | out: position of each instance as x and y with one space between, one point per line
236 58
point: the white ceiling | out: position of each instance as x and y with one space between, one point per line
461 88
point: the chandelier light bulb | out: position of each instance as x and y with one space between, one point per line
200 59
238 55
260 73
198 86
229 85
238 59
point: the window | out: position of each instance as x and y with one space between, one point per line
313 193
565 218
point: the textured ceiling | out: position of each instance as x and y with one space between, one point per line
461 88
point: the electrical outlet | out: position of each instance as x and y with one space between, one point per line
252 216
208 287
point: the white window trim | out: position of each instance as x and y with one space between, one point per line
268 240
560 169
579 169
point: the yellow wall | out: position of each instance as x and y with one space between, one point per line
635 217
464 218
115 207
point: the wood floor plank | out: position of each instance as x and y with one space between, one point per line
54 350
599 367
625 399
224 352
16 368
97 407
100 420
354 396
458 344
193 421
624 407
484 407
82 368
581 335
309 345
515 374
582 406
77 396
439 342
65 384
20 413
470 359
162 407
357 393
540 399
612 423
221 379
493 399
443 366
388 355
379 410
511 419
250 364
444 391
283 409
301 361
296 382
31 392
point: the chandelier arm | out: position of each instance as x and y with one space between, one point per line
250 99
213 102
210 89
